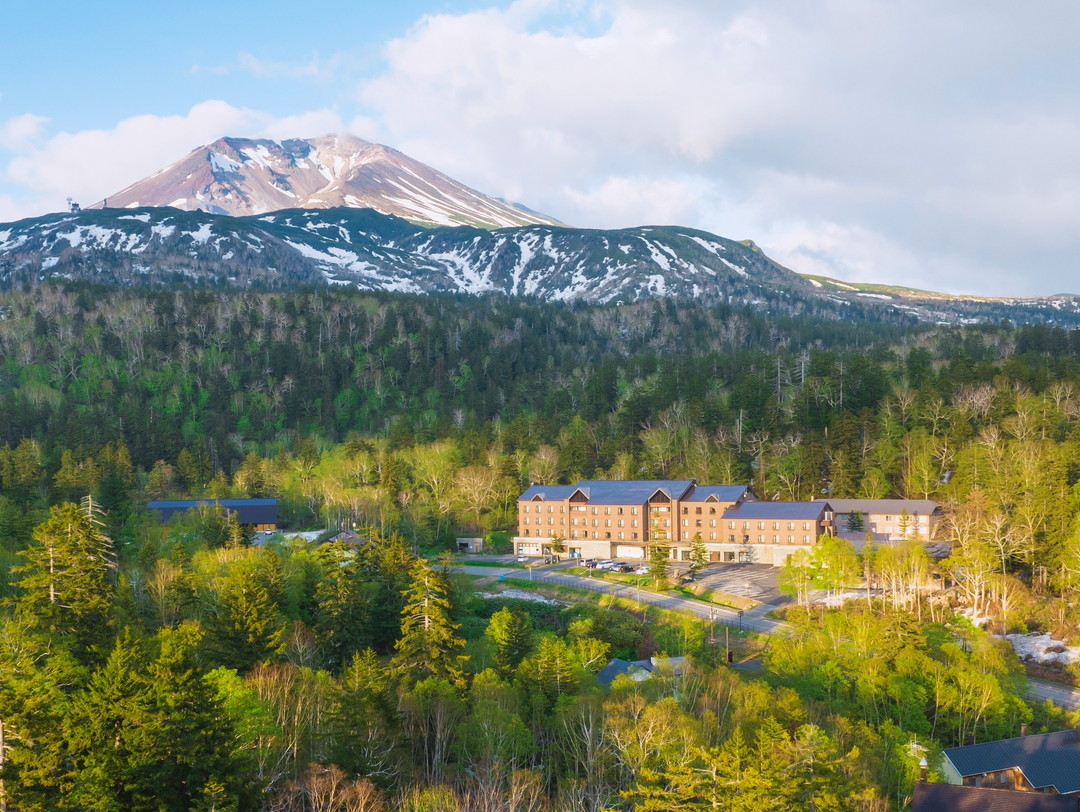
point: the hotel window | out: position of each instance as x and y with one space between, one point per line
622 522
562 508
761 539
685 510
525 509
620 511
761 525
731 538
633 511
685 522
746 525
697 523
551 520
595 522
526 531
621 536
806 525
712 522
607 522
607 511
697 511
712 536
633 536
526 520
805 539
731 525
775 539
776 525
712 511
607 535
790 539
791 525
595 511
633 522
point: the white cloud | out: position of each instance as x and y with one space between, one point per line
18 132
940 135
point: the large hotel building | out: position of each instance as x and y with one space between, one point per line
620 519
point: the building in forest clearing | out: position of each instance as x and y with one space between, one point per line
260 514
622 518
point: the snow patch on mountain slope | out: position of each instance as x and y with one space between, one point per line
711 247
142 218
739 269
223 163
201 236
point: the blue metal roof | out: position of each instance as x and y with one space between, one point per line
723 493
955 798
1045 759
248 511
631 491
802 511
548 492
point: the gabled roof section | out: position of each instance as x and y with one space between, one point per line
914 507
953 798
719 493
1046 759
548 493
785 511
632 491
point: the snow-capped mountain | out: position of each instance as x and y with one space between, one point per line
242 176
372 251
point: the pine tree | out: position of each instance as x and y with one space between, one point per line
511 634
245 626
428 646
66 581
855 522
659 562
699 556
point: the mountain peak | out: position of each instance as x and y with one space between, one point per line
245 176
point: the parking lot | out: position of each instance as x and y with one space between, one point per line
757 581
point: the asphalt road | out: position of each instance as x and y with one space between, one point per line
1062 695
752 619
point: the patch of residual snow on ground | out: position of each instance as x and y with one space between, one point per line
520 594
1043 649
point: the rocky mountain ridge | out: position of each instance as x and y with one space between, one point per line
244 176
373 251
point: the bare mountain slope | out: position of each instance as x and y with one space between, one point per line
242 176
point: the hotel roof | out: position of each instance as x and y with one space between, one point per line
1045 759
806 511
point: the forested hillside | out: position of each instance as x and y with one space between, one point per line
148 666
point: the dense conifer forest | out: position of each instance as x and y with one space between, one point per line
182 667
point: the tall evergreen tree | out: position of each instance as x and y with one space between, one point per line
67 580
428 645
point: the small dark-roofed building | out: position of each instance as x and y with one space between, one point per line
260 513
1045 762
639 670
952 798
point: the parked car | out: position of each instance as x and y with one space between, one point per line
523 559
688 579
605 565
623 568
641 571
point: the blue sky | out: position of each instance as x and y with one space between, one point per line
921 143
